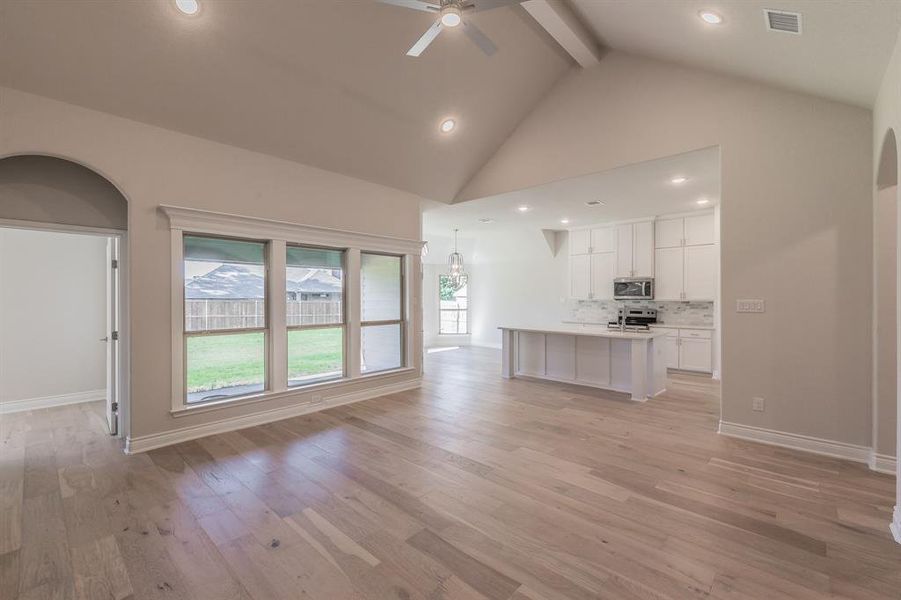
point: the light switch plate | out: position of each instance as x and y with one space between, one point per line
750 305
757 404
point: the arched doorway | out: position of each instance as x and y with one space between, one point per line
57 216
887 321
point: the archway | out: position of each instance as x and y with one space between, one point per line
49 203
887 321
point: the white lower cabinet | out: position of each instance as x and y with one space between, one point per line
689 350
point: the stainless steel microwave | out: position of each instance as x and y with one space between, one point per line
633 288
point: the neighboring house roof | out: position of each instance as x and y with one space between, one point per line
235 281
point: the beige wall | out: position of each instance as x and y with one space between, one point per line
796 221
153 166
52 314
52 190
885 330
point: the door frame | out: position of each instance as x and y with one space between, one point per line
123 353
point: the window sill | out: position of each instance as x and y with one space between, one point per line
203 407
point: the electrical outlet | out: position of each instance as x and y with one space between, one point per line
317 399
757 404
750 305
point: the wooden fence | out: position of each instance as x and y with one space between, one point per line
210 315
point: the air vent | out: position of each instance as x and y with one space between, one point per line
486 220
595 203
780 20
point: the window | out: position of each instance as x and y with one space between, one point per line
453 308
315 314
381 301
225 318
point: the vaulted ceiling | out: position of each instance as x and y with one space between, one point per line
327 82
322 82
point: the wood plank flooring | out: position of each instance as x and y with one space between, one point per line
472 487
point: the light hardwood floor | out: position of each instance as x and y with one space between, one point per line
472 487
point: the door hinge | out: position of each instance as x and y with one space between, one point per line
115 263
115 407
114 335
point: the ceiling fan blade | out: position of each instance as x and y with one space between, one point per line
427 38
414 4
480 5
481 40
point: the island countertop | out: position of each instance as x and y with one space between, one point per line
588 330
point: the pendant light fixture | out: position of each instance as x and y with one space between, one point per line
455 266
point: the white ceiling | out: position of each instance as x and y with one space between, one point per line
841 54
322 82
640 190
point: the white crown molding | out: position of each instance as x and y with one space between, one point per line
204 221
11 406
796 441
134 445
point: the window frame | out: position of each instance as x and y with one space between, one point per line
345 341
265 330
402 312
278 234
457 310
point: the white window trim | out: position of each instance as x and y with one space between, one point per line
279 234
468 333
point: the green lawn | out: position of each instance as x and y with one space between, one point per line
217 361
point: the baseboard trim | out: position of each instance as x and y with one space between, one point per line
896 524
12 406
135 445
883 463
796 441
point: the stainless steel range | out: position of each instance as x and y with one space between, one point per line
637 318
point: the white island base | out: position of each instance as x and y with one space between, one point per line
631 362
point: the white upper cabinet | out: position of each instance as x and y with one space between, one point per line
700 230
700 272
579 241
643 249
668 276
624 250
635 249
603 267
580 276
603 239
669 233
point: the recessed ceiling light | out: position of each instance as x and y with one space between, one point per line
564 220
678 180
708 16
523 208
702 201
448 125
595 203
189 7
486 220
451 16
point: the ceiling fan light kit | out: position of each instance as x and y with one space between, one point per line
450 14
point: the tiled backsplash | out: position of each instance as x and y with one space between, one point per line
671 313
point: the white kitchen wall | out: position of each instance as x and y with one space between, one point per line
52 315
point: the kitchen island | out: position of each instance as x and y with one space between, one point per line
623 361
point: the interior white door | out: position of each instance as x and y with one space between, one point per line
579 276
699 230
643 249
668 273
603 239
579 241
624 250
603 267
112 334
694 354
700 272
669 233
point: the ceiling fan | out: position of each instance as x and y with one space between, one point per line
450 14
